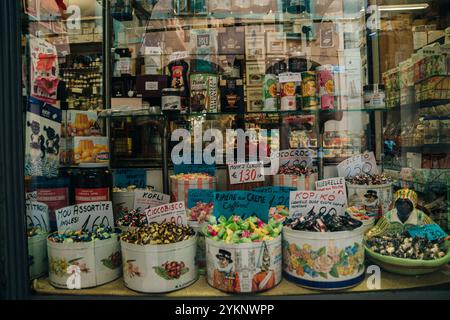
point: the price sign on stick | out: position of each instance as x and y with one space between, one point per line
322 202
174 212
360 164
293 157
336 185
37 215
86 216
246 172
148 199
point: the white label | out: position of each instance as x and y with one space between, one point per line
246 172
360 164
289 77
321 202
174 212
152 50
86 216
37 215
149 199
335 185
171 102
293 157
124 65
178 55
151 85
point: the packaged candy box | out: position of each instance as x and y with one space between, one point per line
90 150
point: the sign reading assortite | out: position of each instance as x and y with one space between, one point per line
242 203
86 216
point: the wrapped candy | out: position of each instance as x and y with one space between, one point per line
358 212
327 222
237 230
35 231
70 236
279 213
369 179
134 218
158 233
191 176
295 170
200 212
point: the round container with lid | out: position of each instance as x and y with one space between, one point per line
92 183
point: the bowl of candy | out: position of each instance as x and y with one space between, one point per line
359 213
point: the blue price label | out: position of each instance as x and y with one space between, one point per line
277 195
430 231
127 177
242 203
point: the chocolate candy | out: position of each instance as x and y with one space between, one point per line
325 222
158 233
237 230
369 179
295 170
200 212
70 236
134 218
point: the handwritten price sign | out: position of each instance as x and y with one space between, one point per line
241 203
246 172
174 212
87 216
37 215
148 199
294 157
360 164
335 185
322 202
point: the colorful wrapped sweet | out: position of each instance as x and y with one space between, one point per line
70 236
158 233
296 176
132 219
279 213
200 212
181 183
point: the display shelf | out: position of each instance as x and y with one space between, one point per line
201 289
419 104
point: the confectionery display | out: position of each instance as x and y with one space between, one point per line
158 233
133 219
317 222
369 179
101 233
201 212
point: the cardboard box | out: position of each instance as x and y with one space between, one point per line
255 71
81 123
150 86
254 99
231 40
255 48
89 149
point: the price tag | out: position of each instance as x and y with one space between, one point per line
152 50
430 231
335 185
174 212
246 172
360 164
323 202
241 203
151 85
128 177
195 168
86 216
199 195
37 215
178 55
277 195
294 157
290 77
148 199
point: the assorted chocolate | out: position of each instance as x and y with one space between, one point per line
295 170
133 218
237 230
200 212
158 233
406 247
369 179
70 236
323 222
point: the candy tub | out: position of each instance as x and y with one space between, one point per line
37 255
122 200
323 260
357 196
84 264
200 256
243 267
299 182
145 267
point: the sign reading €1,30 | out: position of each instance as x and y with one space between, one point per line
246 172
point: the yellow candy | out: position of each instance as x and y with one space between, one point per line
229 235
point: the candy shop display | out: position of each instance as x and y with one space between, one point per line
131 219
181 183
329 222
243 256
279 213
373 192
123 199
359 213
37 252
81 259
159 257
200 212
296 176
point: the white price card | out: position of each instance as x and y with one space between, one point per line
178 55
148 199
336 185
152 51
37 215
246 172
86 216
290 77
174 212
321 202
360 164
293 157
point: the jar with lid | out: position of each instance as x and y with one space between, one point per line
92 182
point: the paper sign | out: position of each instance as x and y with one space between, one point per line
277 195
149 199
360 164
430 231
178 55
246 172
86 216
322 202
336 185
152 50
195 168
128 177
199 195
289 77
174 212
241 203
37 215
293 157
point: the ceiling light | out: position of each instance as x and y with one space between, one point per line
403 7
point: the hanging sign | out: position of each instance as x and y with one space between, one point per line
246 172
322 202
148 199
86 216
241 203
360 164
199 195
37 215
130 177
174 212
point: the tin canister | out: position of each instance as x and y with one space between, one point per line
309 90
288 100
326 85
270 92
